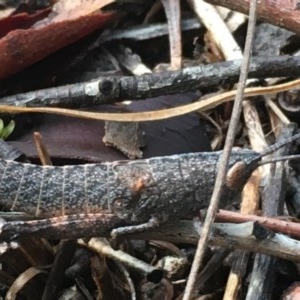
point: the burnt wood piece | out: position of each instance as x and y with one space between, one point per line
111 89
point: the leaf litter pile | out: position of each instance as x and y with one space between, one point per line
72 70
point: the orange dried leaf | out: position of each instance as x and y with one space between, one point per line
22 20
71 9
21 48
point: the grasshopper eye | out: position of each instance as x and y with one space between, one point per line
119 207
235 175
117 203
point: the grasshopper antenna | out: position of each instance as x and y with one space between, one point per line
237 171
279 145
277 159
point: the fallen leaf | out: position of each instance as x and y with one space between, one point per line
21 48
68 22
71 9
4 13
71 138
22 20
126 137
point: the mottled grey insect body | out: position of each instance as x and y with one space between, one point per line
162 187
180 185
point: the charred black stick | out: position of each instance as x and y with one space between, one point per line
228 236
147 31
112 89
273 196
237 236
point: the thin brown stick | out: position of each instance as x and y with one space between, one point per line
172 11
237 108
276 224
42 150
281 13
102 247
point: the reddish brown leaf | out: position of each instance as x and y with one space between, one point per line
71 9
283 13
22 20
21 48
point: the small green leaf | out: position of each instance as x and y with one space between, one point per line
7 130
1 127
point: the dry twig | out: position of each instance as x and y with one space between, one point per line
225 156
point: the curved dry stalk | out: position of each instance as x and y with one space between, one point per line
155 115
